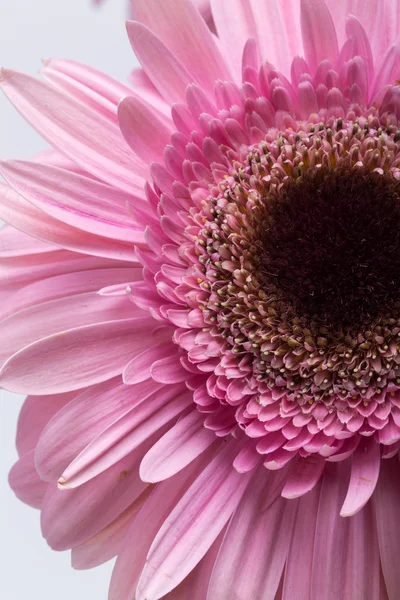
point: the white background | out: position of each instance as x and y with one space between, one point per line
31 30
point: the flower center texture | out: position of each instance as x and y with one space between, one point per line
296 252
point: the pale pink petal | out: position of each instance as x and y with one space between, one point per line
366 462
145 89
96 88
177 448
26 483
303 476
380 19
109 541
35 413
66 285
278 31
82 419
191 528
328 563
126 434
22 215
73 359
362 569
386 502
141 534
235 23
297 576
78 201
256 537
139 368
181 28
318 33
165 71
77 131
16 243
145 132
15 271
66 313
70 517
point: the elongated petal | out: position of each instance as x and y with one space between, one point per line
181 28
16 243
69 284
78 132
26 483
145 133
66 313
318 33
35 413
364 476
22 215
386 502
109 541
73 359
362 570
297 577
254 532
165 71
161 502
177 448
73 199
330 534
124 435
139 368
303 476
82 419
193 525
70 517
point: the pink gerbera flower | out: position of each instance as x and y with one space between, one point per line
204 304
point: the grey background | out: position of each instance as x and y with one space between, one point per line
31 30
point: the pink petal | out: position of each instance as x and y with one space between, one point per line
26 483
73 359
177 448
22 215
82 419
162 500
169 370
139 368
69 284
146 132
66 313
124 435
251 560
235 24
330 535
94 87
364 476
386 502
70 517
297 575
193 525
181 28
363 570
77 131
318 33
16 243
163 68
303 476
109 541
78 201
35 413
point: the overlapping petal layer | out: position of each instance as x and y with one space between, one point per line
166 421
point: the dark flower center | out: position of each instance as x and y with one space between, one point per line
331 246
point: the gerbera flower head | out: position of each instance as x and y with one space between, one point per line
204 303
